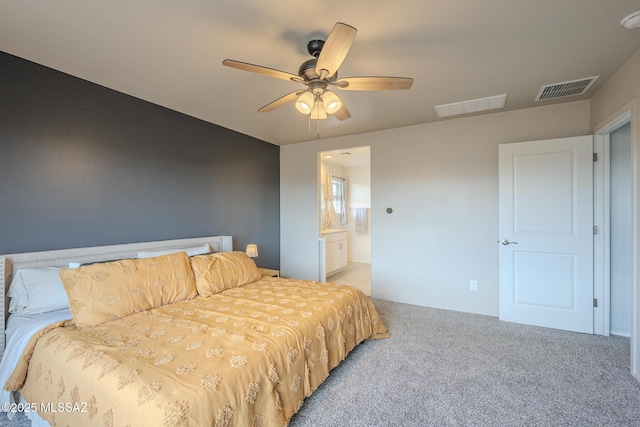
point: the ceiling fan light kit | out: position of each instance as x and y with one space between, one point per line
318 113
331 102
305 102
320 72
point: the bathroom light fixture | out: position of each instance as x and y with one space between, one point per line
631 21
252 250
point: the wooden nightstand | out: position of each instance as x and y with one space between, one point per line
267 272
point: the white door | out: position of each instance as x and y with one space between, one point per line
546 233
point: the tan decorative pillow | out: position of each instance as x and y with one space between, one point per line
102 292
223 270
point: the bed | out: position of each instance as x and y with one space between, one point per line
160 336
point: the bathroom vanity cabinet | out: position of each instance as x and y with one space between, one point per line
336 250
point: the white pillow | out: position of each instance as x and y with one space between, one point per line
37 290
198 250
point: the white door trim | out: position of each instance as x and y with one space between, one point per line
628 113
601 240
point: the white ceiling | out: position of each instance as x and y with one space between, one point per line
348 158
170 53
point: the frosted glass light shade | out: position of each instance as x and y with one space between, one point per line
331 102
304 104
252 250
318 112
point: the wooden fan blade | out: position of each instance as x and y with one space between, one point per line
265 71
335 49
281 101
343 113
374 83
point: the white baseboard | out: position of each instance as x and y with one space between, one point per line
621 334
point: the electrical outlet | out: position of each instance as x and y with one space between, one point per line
473 285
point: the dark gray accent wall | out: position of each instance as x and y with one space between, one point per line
83 165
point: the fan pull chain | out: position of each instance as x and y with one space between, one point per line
318 128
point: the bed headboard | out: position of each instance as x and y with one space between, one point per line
61 258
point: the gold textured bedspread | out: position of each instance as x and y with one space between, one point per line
245 357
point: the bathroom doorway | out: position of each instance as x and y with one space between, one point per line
345 217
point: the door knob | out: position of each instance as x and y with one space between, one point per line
506 242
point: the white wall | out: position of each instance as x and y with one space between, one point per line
300 224
441 180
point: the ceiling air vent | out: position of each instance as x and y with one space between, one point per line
471 106
564 89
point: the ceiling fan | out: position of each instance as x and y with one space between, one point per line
320 73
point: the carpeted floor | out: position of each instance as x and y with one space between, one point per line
445 368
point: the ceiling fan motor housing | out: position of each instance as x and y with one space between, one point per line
318 87
308 68
314 47
308 71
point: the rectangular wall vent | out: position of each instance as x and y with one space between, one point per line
471 106
564 89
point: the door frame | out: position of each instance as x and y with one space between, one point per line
602 271
322 243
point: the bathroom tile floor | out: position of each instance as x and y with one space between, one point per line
356 274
